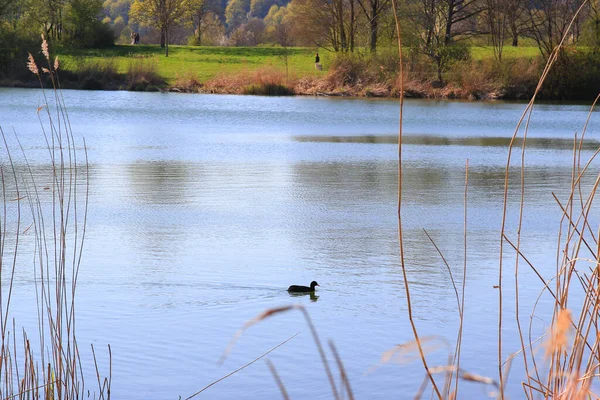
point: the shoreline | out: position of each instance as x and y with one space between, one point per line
302 87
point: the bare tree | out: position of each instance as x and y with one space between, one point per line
325 23
548 21
436 23
372 10
516 12
497 23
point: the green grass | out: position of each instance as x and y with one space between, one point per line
203 62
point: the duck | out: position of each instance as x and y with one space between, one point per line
303 289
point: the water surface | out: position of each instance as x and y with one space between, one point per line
205 208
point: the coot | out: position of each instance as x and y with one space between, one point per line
303 289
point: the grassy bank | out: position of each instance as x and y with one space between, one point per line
279 71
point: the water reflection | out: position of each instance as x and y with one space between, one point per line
311 295
438 140
160 182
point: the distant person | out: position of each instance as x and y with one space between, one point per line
318 65
132 37
137 38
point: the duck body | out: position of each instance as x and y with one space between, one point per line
303 289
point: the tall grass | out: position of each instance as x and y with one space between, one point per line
43 222
142 76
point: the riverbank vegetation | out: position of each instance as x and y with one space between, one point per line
478 49
278 71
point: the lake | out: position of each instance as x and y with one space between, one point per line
203 209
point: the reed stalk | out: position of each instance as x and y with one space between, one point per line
44 217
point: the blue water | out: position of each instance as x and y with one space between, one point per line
203 209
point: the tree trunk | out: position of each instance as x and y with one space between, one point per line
373 41
199 31
162 37
343 41
352 18
167 41
515 34
449 22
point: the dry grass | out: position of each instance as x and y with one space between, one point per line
265 81
43 218
188 83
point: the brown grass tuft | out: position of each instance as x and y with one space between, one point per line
264 81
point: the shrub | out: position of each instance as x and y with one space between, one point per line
575 76
268 89
142 76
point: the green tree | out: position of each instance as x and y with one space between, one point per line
162 14
82 20
260 8
202 13
236 13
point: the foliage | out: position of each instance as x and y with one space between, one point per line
83 28
163 14
576 75
207 25
13 51
260 8
236 13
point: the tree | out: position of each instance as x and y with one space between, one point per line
324 23
163 14
496 20
202 15
249 34
515 11
435 24
260 8
548 21
372 10
284 39
82 22
236 13
594 24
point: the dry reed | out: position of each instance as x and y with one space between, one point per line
571 357
54 212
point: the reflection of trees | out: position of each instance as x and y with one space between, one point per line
433 140
159 230
353 206
160 182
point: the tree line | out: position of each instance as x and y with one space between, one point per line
437 29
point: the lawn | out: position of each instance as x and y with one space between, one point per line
483 52
203 62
